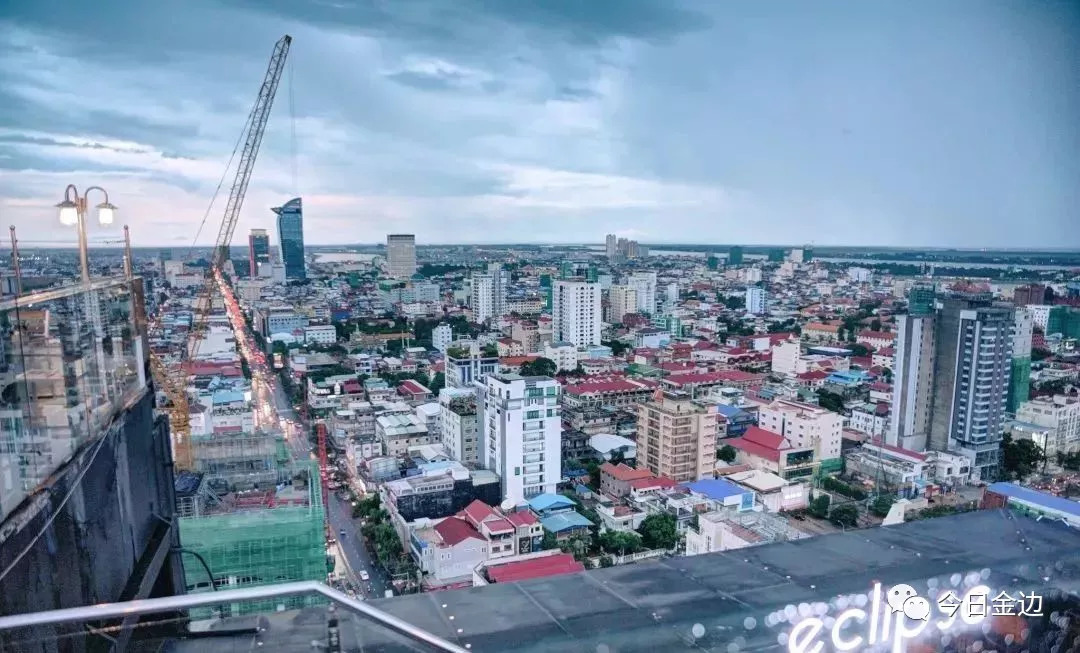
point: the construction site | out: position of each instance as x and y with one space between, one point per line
250 513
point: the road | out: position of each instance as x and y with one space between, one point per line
275 412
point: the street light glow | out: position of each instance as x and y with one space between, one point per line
68 212
106 213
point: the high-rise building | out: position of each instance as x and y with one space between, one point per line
921 299
645 285
258 250
1034 293
576 312
735 255
290 224
489 288
973 360
460 426
611 246
756 300
913 382
401 255
1020 377
523 434
676 437
621 300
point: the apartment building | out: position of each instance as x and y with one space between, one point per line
1061 415
913 380
576 312
621 300
401 255
676 437
806 425
756 300
460 426
523 434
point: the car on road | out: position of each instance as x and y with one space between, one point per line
364 576
341 531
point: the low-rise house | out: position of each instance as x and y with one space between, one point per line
558 516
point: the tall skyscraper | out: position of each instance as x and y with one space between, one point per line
489 293
756 300
523 434
973 360
401 255
735 255
913 381
290 223
258 250
576 312
1020 377
611 246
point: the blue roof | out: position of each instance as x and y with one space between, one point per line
582 489
728 411
228 397
715 488
564 521
548 501
1049 501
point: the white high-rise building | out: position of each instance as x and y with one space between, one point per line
489 293
611 246
796 255
442 336
913 381
621 300
523 434
645 285
671 297
401 255
576 312
756 300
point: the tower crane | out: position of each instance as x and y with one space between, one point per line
173 379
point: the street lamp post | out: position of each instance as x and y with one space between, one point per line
72 213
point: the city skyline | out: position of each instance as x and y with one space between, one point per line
802 134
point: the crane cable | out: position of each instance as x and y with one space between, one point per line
217 191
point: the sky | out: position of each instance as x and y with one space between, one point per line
918 123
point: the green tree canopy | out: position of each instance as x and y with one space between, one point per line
540 367
846 515
659 531
727 453
1019 458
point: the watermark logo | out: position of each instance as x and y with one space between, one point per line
899 615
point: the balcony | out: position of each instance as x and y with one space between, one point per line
72 357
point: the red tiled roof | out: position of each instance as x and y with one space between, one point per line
477 511
522 518
651 482
754 448
454 530
900 450
765 438
714 377
812 375
818 326
876 335
608 386
412 387
498 525
623 472
555 565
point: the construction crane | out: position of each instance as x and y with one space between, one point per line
174 381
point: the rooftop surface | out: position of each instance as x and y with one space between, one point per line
659 605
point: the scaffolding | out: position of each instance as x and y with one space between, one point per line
243 460
257 537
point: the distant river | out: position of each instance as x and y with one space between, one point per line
343 257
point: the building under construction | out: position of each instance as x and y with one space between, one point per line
252 537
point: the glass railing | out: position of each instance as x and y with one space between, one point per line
333 621
71 359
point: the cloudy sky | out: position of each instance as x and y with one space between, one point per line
922 123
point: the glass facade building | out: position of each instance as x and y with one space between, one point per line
290 222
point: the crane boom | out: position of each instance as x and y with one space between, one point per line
174 382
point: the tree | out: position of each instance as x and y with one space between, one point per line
539 367
735 302
875 324
882 504
846 515
1019 458
887 375
659 531
438 382
819 506
830 401
549 542
1038 354
617 347
859 350
727 453
619 542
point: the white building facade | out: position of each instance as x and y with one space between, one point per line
576 312
523 434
